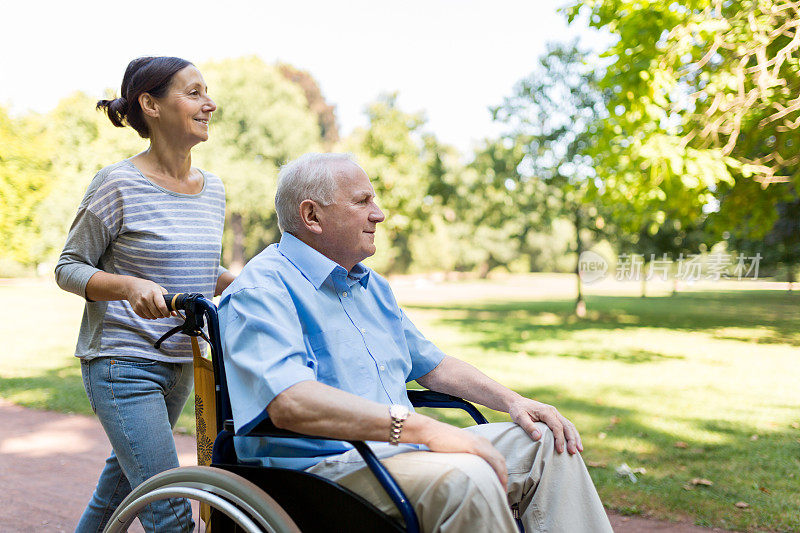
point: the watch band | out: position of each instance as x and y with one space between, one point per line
399 413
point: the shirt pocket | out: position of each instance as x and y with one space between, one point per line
329 338
341 359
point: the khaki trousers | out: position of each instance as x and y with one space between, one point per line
459 492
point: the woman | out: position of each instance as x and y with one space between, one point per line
147 225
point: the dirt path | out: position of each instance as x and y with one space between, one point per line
49 463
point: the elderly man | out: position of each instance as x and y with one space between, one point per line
316 342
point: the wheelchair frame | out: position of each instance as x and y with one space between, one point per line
241 493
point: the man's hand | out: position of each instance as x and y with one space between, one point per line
314 408
458 378
525 412
449 439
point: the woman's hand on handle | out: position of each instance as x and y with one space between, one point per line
146 298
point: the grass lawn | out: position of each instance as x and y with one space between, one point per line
39 326
702 385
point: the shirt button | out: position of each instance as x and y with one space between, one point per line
382 367
364 331
344 294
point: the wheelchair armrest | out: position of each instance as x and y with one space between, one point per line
266 428
429 398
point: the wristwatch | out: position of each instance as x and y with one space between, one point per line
399 413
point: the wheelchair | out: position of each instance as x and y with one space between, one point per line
258 499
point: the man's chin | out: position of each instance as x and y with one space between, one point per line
369 251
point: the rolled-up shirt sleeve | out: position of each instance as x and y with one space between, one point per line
265 351
425 356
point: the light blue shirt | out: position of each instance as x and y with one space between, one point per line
294 315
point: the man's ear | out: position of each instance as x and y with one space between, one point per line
149 105
310 215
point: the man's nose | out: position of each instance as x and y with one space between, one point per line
377 215
210 105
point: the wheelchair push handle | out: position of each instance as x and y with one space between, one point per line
193 305
176 301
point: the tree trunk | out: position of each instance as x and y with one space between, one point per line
237 250
580 304
483 269
486 266
644 280
790 276
402 261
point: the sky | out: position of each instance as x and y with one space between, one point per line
451 59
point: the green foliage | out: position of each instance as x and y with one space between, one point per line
398 160
783 239
780 247
540 170
326 116
501 206
82 141
262 122
703 100
553 250
24 184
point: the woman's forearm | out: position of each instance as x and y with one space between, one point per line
105 287
145 296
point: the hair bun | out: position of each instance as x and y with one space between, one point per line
116 109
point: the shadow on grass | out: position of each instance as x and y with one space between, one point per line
54 389
61 389
631 356
730 315
761 470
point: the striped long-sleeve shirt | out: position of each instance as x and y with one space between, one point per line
128 225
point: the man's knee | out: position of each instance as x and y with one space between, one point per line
530 457
548 439
467 496
474 469
548 450
468 478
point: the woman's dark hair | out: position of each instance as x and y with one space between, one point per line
150 75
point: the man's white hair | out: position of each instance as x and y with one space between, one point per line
309 177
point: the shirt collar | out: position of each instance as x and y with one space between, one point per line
314 266
359 273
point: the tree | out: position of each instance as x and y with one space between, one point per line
780 246
657 244
503 206
24 184
326 116
262 122
705 108
392 152
551 118
783 240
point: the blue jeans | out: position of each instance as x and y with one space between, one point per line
138 402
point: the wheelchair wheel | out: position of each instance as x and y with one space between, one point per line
232 497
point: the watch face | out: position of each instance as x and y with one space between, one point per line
399 412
